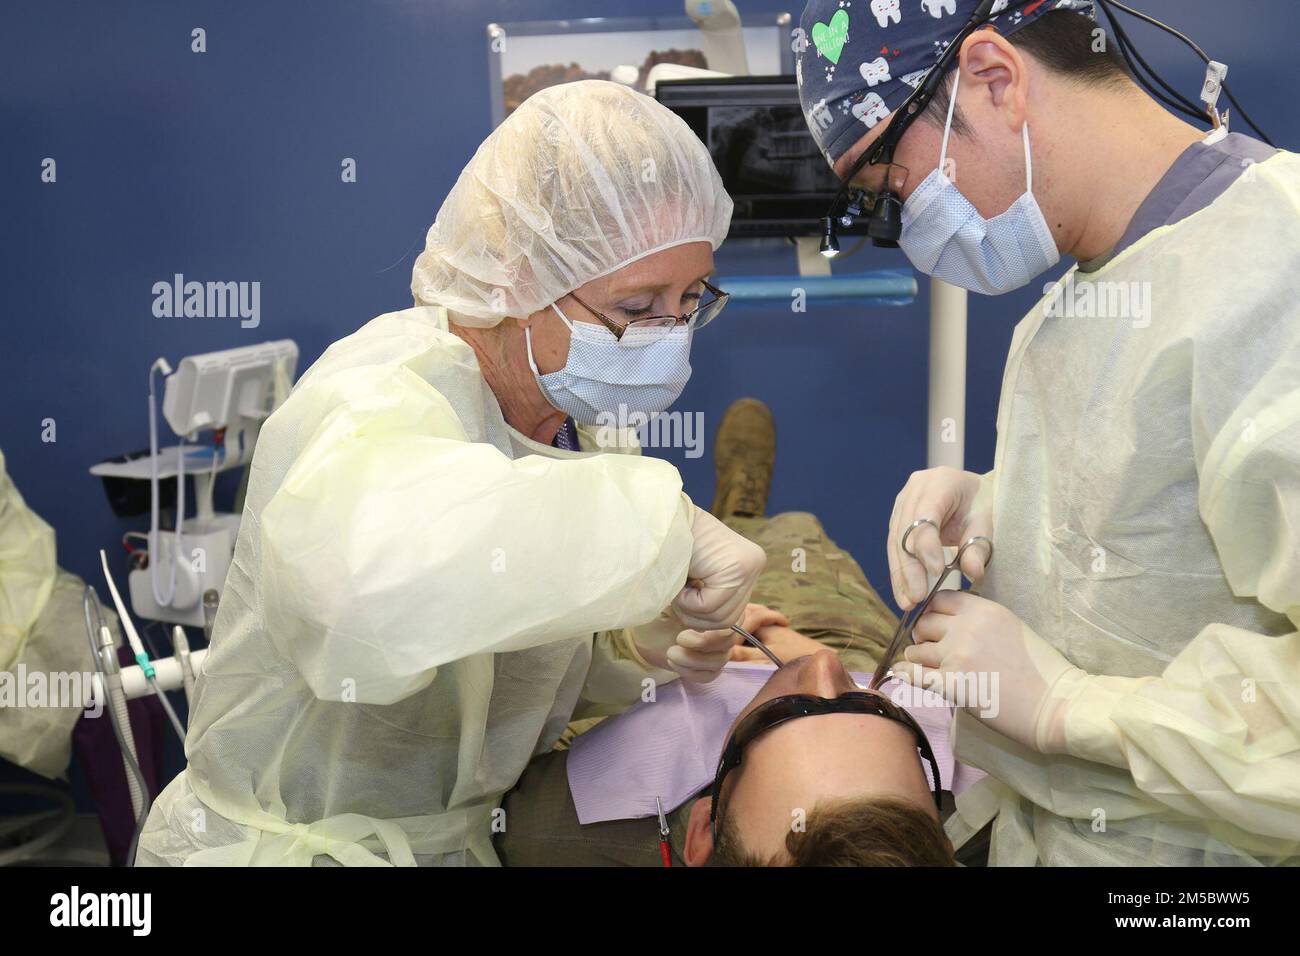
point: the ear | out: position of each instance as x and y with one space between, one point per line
991 64
699 835
528 320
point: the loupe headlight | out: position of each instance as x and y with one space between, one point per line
830 245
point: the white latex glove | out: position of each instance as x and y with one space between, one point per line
952 500
966 644
723 569
696 656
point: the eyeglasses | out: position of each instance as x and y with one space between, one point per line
656 326
874 184
780 710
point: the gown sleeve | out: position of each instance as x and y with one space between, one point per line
395 545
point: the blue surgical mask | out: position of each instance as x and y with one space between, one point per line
945 236
646 372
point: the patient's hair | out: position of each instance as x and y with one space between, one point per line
872 831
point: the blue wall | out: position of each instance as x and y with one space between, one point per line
225 166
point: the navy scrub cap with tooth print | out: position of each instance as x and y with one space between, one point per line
856 61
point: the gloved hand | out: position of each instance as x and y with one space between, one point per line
962 638
696 656
723 569
952 500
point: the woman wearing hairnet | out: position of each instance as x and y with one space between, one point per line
428 545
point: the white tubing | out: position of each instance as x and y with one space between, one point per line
132 638
169 671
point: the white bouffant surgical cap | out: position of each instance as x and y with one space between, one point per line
580 180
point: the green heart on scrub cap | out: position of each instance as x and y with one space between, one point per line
830 40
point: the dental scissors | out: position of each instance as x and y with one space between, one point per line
903 635
751 640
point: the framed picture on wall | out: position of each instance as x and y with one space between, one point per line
526 57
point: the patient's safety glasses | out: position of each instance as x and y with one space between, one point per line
780 710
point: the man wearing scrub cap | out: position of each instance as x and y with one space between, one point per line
1141 614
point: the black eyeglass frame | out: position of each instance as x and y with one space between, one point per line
719 300
780 710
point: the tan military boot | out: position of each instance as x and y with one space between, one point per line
744 454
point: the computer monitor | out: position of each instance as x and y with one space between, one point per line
756 133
